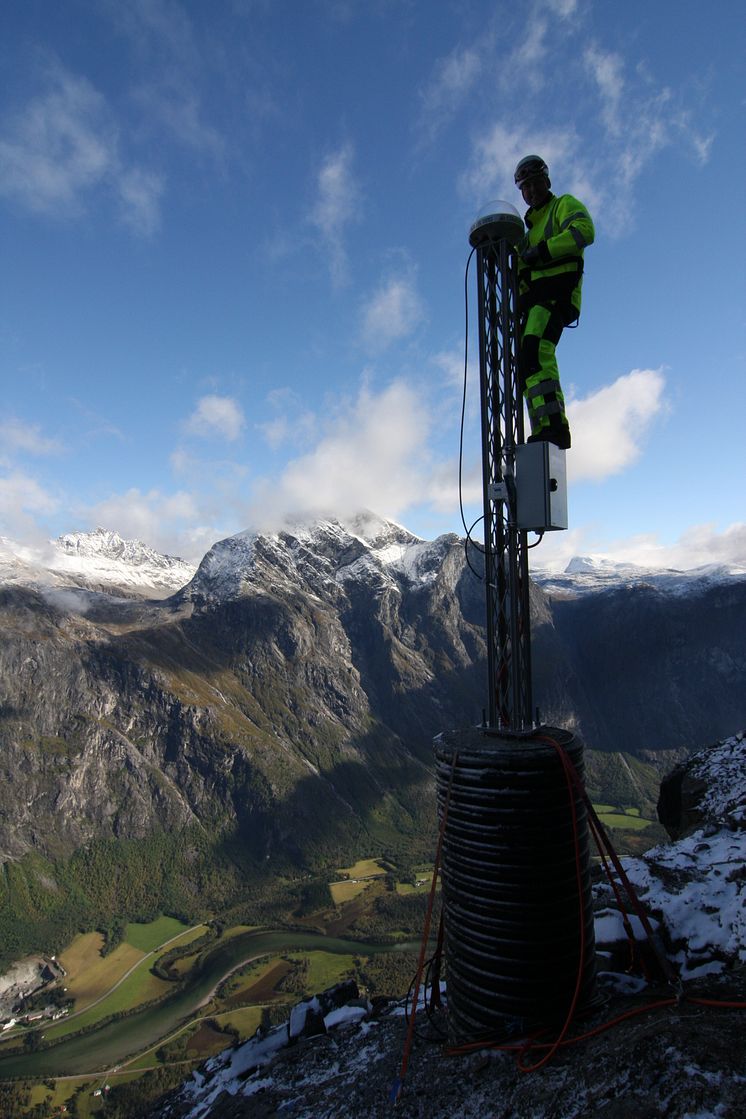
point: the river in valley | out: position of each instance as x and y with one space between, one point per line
112 1043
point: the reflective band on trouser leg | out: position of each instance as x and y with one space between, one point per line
543 392
546 404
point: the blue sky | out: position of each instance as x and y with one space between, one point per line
233 247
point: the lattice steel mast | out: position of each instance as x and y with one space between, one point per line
506 561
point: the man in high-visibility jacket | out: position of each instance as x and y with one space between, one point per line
550 273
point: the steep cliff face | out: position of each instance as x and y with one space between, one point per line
290 691
287 695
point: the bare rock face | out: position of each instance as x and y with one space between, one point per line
288 694
293 686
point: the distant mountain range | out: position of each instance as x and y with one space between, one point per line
276 706
594 573
103 560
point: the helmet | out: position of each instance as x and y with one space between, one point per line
530 165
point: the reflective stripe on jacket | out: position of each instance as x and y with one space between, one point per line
561 229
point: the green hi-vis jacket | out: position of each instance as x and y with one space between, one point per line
561 229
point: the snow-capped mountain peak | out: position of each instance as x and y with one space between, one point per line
99 561
593 573
320 556
104 557
104 544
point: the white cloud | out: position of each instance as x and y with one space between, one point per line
373 455
698 546
639 117
173 61
606 68
451 364
60 146
393 311
173 108
24 504
562 8
160 30
453 78
140 195
703 544
528 65
336 206
18 436
640 121
609 425
24 501
64 146
21 493
498 150
292 423
609 428
216 417
171 523
526 57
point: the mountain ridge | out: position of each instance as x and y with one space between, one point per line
102 557
279 708
100 561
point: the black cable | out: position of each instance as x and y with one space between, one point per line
467 541
440 1036
463 397
536 542
437 1033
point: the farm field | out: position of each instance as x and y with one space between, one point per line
246 1019
239 930
256 983
89 974
623 820
184 964
364 868
120 981
621 816
423 880
347 889
159 932
138 988
324 969
273 968
53 1099
114 1041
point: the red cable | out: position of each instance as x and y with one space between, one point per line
521 1047
565 1043
425 937
718 1002
572 778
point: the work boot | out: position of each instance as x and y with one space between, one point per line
559 434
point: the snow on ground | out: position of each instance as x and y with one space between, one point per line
591 574
697 885
723 771
92 559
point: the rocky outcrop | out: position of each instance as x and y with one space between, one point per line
706 790
696 886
